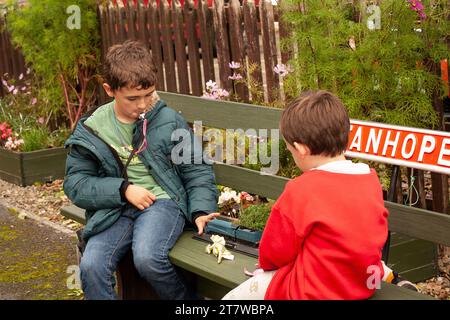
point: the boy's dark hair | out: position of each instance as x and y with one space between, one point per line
319 120
129 64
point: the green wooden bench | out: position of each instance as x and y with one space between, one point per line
415 231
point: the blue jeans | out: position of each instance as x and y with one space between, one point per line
150 233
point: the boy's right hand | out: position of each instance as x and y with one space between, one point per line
139 197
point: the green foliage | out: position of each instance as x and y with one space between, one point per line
34 139
255 216
64 59
389 76
36 135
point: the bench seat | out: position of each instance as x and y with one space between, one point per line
214 280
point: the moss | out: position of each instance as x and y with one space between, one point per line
7 233
13 211
33 263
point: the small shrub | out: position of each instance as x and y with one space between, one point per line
255 216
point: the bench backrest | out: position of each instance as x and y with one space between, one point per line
411 221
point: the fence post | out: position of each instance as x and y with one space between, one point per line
237 47
190 19
270 49
180 47
154 23
222 44
167 43
206 40
253 47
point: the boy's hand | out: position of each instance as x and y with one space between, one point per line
139 197
201 221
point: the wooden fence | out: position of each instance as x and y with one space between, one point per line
12 61
193 44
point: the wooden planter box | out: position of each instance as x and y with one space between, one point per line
26 168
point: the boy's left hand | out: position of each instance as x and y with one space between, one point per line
202 221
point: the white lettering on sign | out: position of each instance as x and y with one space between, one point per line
412 147
444 151
374 140
357 140
391 143
426 148
409 137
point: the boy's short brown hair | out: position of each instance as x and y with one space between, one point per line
319 120
129 64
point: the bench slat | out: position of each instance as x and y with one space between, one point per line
419 223
218 114
252 181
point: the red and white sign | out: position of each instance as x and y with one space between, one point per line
403 146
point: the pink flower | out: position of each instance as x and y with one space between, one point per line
41 120
416 5
15 91
21 76
11 89
5 83
234 65
33 101
282 69
208 95
223 93
235 76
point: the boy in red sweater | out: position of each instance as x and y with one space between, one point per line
325 234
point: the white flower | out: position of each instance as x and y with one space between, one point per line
282 69
211 85
21 76
234 65
13 144
228 195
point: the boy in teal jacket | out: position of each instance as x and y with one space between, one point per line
120 169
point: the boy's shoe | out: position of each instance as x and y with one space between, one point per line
399 281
